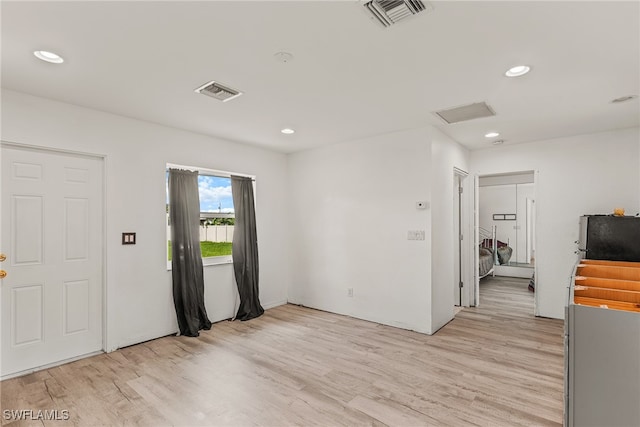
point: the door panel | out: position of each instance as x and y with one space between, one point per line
52 210
75 175
31 171
27 315
76 229
76 307
27 240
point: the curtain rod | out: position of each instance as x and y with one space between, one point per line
211 171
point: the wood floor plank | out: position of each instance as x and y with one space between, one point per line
494 365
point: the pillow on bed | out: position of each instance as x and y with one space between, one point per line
504 254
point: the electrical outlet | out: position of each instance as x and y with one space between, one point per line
350 292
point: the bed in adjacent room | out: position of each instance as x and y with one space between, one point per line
490 254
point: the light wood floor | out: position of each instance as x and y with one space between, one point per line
495 365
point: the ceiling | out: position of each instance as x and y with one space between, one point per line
349 78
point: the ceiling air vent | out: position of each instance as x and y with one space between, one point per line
388 12
218 91
466 112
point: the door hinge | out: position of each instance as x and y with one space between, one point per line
461 284
462 237
460 190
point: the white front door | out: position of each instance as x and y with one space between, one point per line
52 222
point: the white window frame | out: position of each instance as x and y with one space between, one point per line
215 260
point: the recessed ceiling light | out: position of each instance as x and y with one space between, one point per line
491 135
624 98
48 56
287 131
498 142
517 71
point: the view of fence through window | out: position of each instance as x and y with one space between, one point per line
217 216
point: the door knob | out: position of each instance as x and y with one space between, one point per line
3 274
2 257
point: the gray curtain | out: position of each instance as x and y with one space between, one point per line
186 258
245 248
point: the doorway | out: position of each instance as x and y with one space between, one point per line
459 215
505 224
52 228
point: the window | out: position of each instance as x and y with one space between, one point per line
217 217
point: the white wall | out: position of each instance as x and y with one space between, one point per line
139 298
584 174
342 194
340 197
447 154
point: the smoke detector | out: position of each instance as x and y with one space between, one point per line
283 56
218 91
389 12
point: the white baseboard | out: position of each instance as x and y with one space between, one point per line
148 337
49 365
269 305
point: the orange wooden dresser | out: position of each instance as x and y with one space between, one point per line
608 284
602 344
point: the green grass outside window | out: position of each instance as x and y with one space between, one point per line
210 249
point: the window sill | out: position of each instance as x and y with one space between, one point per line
212 261
217 260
